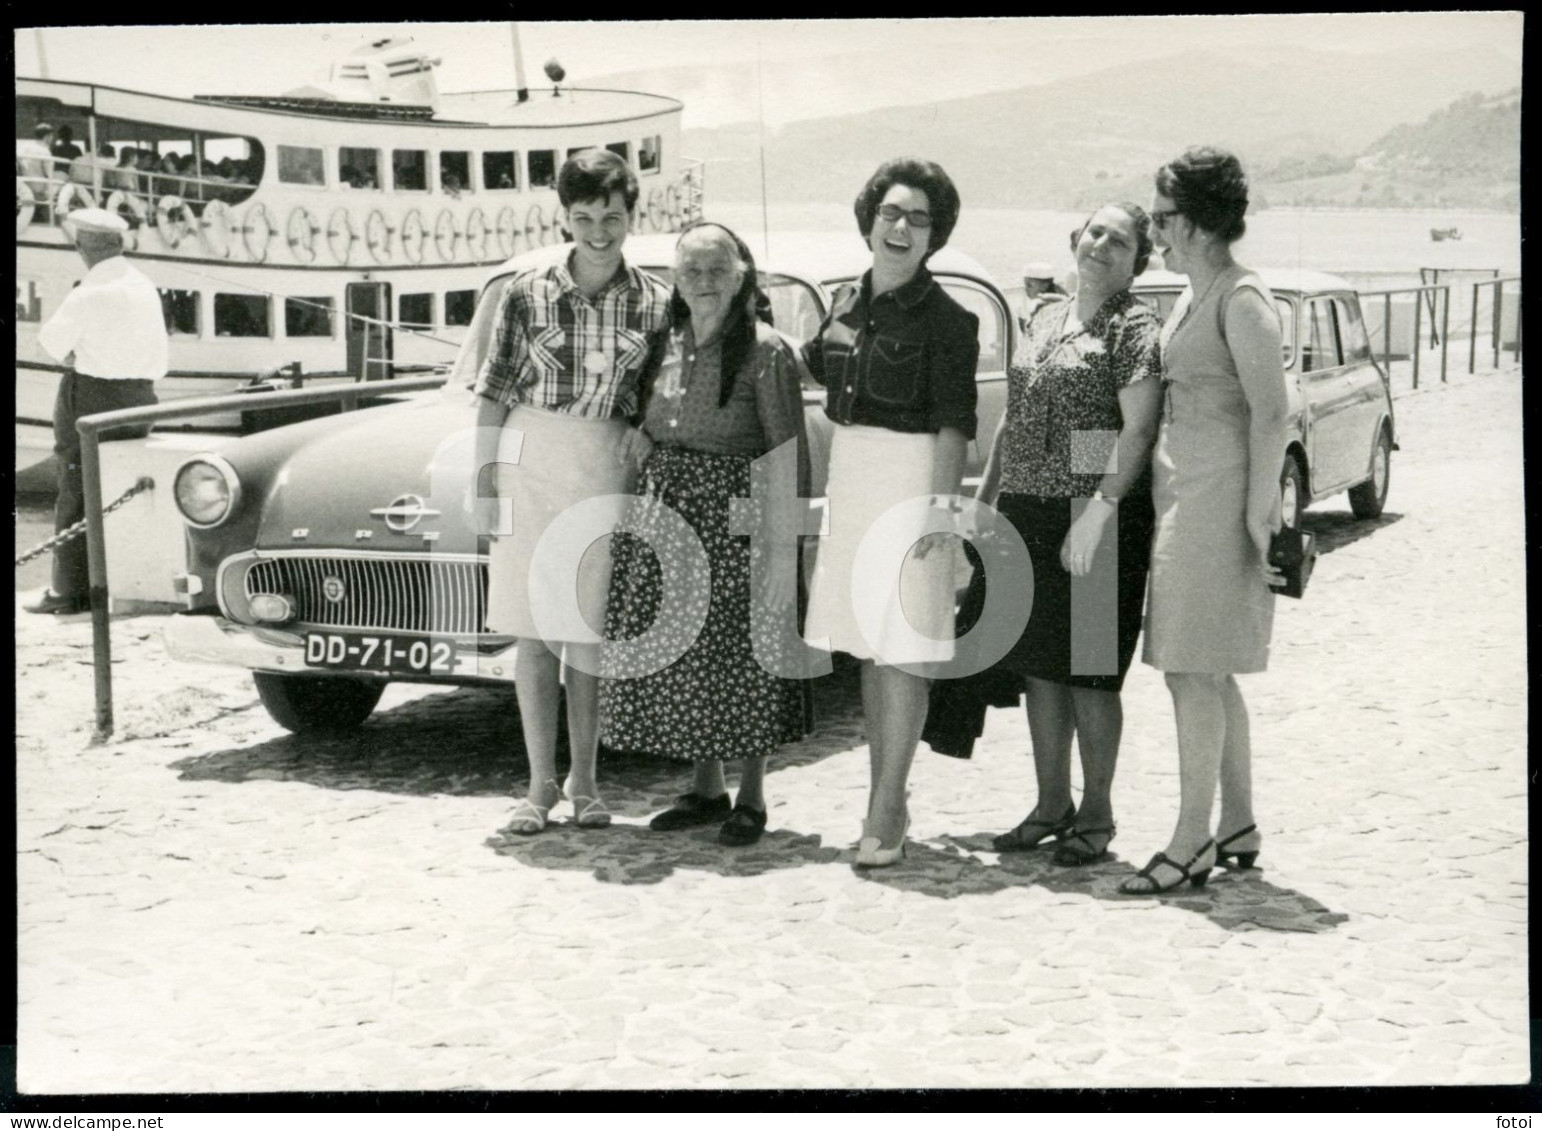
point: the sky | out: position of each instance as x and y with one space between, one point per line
809 67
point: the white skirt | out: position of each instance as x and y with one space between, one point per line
883 604
550 461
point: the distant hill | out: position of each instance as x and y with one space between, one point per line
1295 116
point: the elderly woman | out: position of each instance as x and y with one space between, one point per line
1217 494
1083 394
897 358
724 393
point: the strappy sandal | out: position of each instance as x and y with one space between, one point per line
528 819
1032 831
1244 859
588 812
1162 860
1071 854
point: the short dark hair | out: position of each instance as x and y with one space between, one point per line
1137 214
930 178
1209 187
593 175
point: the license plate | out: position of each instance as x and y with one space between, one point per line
358 652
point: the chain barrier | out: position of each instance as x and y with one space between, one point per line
144 483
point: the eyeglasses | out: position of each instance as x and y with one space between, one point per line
918 217
1160 216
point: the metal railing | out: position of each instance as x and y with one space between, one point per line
90 428
1425 296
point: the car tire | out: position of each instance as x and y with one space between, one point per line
1368 499
1293 497
308 704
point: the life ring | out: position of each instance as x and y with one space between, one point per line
70 197
476 235
656 213
300 234
26 205
217 226
257 233
413 236
445 235
127 205
673 206
173 219
504 230
377 237
554 229
340 235
535 230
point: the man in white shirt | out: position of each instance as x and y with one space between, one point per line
111 333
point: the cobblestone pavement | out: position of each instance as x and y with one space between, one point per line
207 903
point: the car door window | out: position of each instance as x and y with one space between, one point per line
1352 336
795 309
993 322
1320 350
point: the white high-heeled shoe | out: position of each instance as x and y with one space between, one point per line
872 854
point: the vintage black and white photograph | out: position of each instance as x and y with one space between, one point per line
753 554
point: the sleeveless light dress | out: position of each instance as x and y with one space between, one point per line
1208 608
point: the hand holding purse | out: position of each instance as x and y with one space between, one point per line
1293 552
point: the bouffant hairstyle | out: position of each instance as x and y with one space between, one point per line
1138 217
750 302
1209 187
593 175
929 177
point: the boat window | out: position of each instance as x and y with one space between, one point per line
181 311
45 157
241 316
1321 348
650 154
543 168
622 150
500 170
358 168
459 307
312 317
455 171
409 169
1357 346
416 311
301 165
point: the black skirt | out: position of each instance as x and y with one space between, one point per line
1081 634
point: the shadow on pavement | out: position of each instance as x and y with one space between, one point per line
1336 529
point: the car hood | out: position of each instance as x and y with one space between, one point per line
333 490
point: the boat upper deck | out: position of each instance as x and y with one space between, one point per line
491 108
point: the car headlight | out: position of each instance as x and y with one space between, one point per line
207 491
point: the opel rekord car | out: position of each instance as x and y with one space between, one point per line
1341 432
337 555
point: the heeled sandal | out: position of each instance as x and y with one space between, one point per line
1185 872
872 854
1069 855
1244 859
588 812
528 819
1017 840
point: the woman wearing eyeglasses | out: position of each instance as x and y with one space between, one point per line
1216 488
1068 469
897 358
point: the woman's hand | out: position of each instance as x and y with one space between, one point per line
634 448
1082 540
1262 526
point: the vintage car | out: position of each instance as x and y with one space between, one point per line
333 556
1342 431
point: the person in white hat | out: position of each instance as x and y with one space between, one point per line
1039 288
110 334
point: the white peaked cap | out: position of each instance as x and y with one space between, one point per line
95 220
1038 269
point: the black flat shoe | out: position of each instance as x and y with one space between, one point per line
1032 832
690 810
1076 850
1145 882
51 604
1244 859
744 826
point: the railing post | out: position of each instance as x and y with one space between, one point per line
1445 323
96 558
1386 331
1472 343
1418 339
1499 310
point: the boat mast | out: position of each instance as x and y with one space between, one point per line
42 53
523 92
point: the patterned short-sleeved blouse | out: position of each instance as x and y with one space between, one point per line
1062 383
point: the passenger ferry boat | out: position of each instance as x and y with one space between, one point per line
331 234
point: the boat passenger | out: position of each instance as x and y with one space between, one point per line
123 177
1216 487
1039 288
88 169
451 185
1087 367
897 358
723 392
64 149
558 387
35 159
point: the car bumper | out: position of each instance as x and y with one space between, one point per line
203 639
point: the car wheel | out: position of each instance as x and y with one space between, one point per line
1368 499
308 704
1293 498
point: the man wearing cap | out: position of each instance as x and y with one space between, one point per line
1039 289
111 334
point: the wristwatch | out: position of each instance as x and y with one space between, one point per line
1099 497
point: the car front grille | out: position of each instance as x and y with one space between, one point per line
439 594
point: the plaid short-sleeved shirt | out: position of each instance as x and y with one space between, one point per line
556 349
